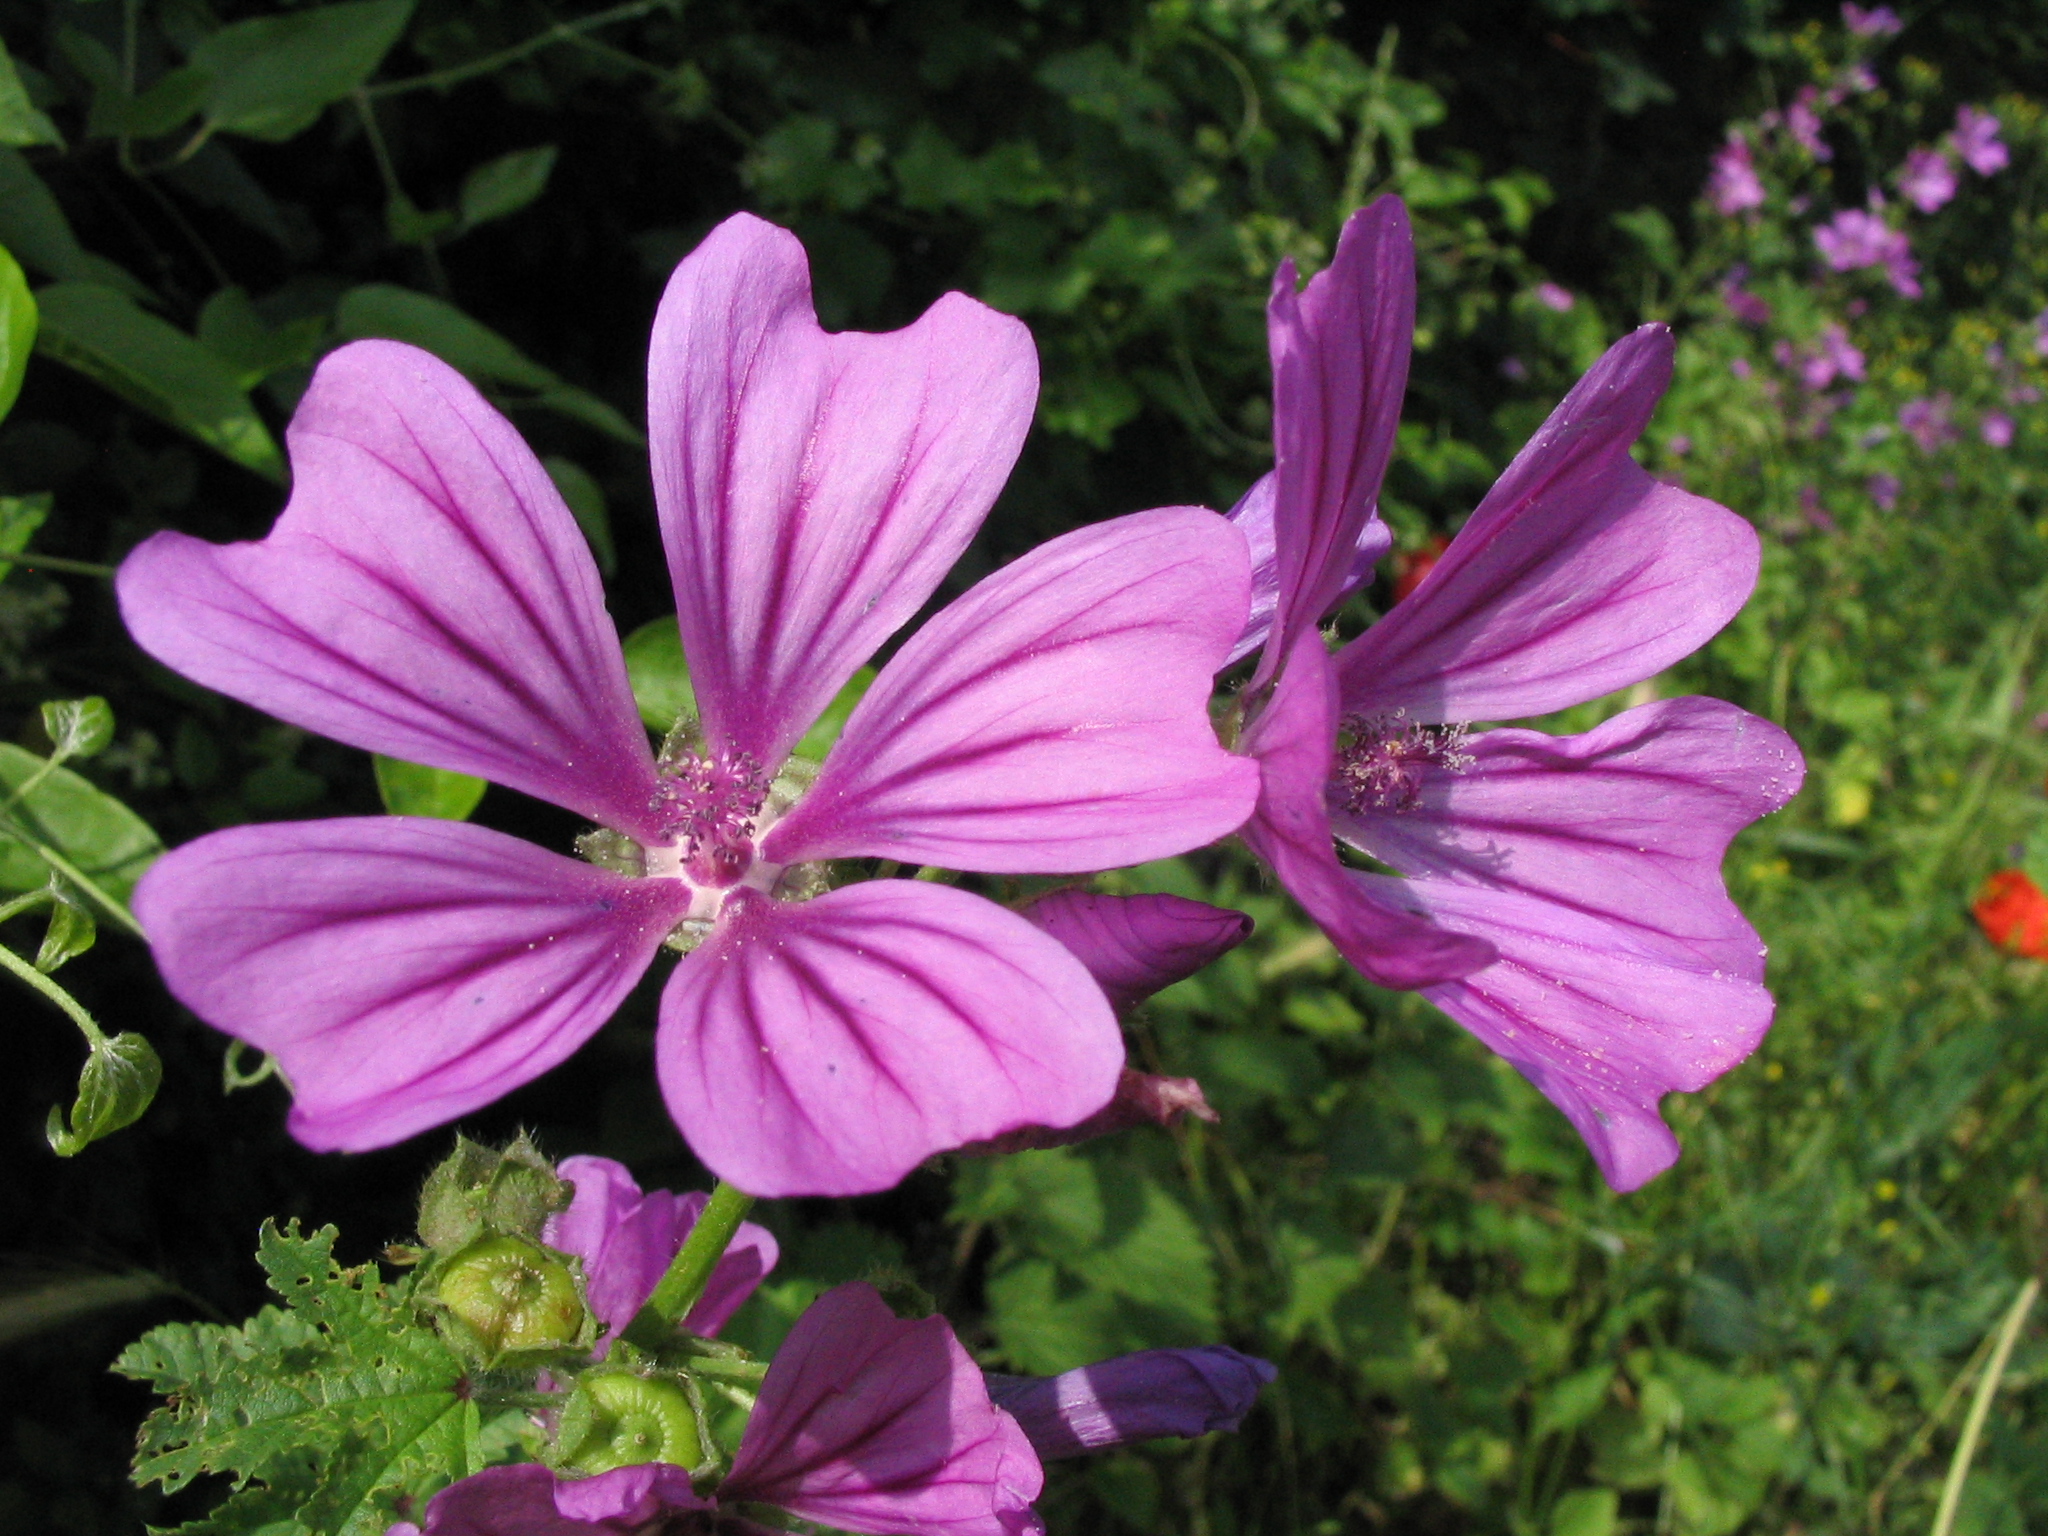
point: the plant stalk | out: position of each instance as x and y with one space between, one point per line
690 1270
1980 1406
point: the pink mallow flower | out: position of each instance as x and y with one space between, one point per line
1884 490
1803 123
1563 898
1927 180
1732 184
1976 140
426 594
1877 21
1553 297
1996 429
1926 420
1856 238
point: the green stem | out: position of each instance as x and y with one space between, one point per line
93 1035
59 563
560 32
1980 1406
27 903
690 1271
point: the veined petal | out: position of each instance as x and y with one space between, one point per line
870 1422
1578 575
403 971
1603 1017
1144 1396
1340 368
1253 517
626 1240
829 1047
1627 822
425 594
1054 718
1137 945
1293 739
814 488
526 1499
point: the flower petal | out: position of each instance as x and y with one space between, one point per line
1137 945
626 1240
425 594
1293 738
1054 718
829 1047
1578 575
1627 822
1604 1018
1340 369
403 971
1253 517
526 1499
870 1422
814 489
1144 1396
1141 1099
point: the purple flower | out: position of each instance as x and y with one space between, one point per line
1564 898
1732 184
626 1240
1976 140
1857 238
1928 179
1745 306
1833 357
1145 1396
1884 490
1878 21
1926 421
1551 296
426 594
1996 429
865 1422
2041 334
1858 78
1803 123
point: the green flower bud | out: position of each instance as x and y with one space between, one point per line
479 1191
615 1420
507 1295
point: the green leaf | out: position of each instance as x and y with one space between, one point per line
70 934
17 331
35 230
20 517
120 1078
166 105
78 727
1568 1403
413 789
587 505
399 314
272 76
106 841
346 1375
231 329
660 677
20 123
505 185
1586 1512
156 368
825 729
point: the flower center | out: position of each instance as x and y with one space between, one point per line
1383 759
709 802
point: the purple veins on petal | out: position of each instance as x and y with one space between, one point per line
1135 946
813 488
1144 1396
1253 517
403 971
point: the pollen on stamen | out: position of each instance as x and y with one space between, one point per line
1383 759
708 802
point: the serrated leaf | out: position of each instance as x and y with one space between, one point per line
78 727
157 368
505 185
413 789
121 1076
34 228
587 505
272 76
17 330
399 314
70 933
20 123
20 517
346 1368
93 831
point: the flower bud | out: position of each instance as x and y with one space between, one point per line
478 1191
505 1295
615 1420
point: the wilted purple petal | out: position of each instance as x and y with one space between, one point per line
1141 1099
1628 822
1577 575
829 1047
1604 1018
813 488
873 1423
1340 368
403 971
626 1240
1253 516
424 594
1053 718
1137 945
1294 740
1146 1396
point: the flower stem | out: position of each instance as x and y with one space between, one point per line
1980 1407
690 1270
56 994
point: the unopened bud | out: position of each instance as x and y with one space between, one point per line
615 1420
507 1295
478 1191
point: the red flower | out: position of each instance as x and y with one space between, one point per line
2013 913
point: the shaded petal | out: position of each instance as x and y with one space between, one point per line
425 594
1137 945
1141 1098
1253 516
1143 1396
1627 822
1293 738
626 1240
403 971
814 489
1604 1018
526 1499
829 1047
1054 718
1340 368
870 1422
1578 575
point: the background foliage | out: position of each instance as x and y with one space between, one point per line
1475 1336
